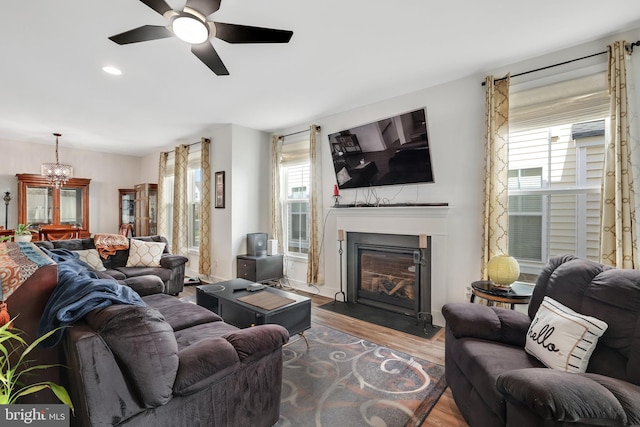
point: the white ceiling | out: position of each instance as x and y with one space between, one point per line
343 54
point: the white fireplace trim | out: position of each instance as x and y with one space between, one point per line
414 220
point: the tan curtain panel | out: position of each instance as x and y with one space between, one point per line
496 172
276 210
204 262
162 203
618 244
180 240
313 266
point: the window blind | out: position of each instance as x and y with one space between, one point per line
571 101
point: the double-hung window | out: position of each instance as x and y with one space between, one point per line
556 158
194 198
296 186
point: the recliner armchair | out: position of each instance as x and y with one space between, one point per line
496 383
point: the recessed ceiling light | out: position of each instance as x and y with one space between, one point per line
111 70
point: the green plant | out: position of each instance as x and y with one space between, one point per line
23 229
12 384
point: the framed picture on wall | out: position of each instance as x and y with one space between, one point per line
219 189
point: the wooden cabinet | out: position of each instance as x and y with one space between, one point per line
145 210
126 204
40 204
259 268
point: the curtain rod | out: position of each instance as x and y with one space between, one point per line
188 145
296 133
629 46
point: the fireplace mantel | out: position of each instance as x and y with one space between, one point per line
431 220
409 220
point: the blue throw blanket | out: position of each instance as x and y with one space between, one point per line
78 292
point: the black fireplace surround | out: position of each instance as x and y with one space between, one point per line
401 280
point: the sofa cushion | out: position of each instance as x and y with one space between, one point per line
92 258
144 285
180 316
189 336
483 361
145 254
561 338
163 273
145 347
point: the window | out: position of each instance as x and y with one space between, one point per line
194 198
194 189
556 157
554 193
297 186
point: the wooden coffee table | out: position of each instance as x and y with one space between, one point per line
225 299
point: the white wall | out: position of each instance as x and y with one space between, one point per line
455 115
243 154
108 173
456 120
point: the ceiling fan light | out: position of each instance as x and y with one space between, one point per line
190 29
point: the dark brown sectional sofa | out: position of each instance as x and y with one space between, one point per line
171 270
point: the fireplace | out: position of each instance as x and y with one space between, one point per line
390 272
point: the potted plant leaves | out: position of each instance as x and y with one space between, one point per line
14 374
23 233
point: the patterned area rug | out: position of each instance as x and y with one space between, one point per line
342 380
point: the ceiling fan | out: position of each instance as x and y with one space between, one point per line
191 25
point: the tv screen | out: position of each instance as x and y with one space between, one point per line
387 152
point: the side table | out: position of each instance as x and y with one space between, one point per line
518 293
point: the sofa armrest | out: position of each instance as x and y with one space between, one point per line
172 261
490 323
255 342
568 397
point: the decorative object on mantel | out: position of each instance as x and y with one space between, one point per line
340 252
503 270
56 173
336 196
7 199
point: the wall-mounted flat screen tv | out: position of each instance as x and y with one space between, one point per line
387 152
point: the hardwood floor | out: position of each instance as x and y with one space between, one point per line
445 413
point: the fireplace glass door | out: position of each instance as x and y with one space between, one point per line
389 278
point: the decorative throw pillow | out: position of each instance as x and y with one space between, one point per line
561 338
145 254
91 257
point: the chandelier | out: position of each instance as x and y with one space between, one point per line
57 174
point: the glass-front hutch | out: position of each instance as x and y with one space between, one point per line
40 204
146 210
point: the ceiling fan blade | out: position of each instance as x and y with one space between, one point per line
234 33
207 54
205 7
142 34
159 6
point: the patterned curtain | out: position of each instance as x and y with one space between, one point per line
276 212
618 245
496 171
313 266
204 263
180 240
162 204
